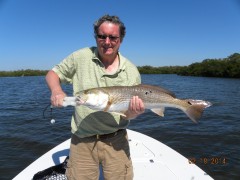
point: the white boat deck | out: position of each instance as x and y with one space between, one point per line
151 160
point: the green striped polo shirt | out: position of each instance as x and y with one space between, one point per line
84 70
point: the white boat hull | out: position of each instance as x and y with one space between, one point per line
151 160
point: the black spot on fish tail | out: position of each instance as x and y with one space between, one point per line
189 102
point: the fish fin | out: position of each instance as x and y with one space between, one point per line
109 103
159 111
195 110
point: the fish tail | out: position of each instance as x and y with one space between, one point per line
195 110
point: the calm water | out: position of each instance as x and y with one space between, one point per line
213 143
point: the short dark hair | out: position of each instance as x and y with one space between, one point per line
112 19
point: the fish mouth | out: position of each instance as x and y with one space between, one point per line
79 100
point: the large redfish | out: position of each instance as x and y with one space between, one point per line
116 99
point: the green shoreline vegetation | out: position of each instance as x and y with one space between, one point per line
227 67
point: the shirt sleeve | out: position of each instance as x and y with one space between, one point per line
66 69
134 74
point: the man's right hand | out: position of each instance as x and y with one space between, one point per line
57 98
53 83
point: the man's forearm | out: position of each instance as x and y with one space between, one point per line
54 85
53 81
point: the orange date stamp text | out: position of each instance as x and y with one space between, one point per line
208 160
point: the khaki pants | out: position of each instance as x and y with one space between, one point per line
86 154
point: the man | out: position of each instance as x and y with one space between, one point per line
98 137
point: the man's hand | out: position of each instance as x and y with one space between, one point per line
57 98
53 83
136 107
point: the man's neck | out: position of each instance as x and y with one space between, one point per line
111 64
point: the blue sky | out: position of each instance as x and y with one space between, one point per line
37 34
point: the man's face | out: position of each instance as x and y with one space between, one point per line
108 40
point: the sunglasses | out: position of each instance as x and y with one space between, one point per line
104 37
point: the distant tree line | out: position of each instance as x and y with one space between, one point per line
227 67
19 73
159 70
